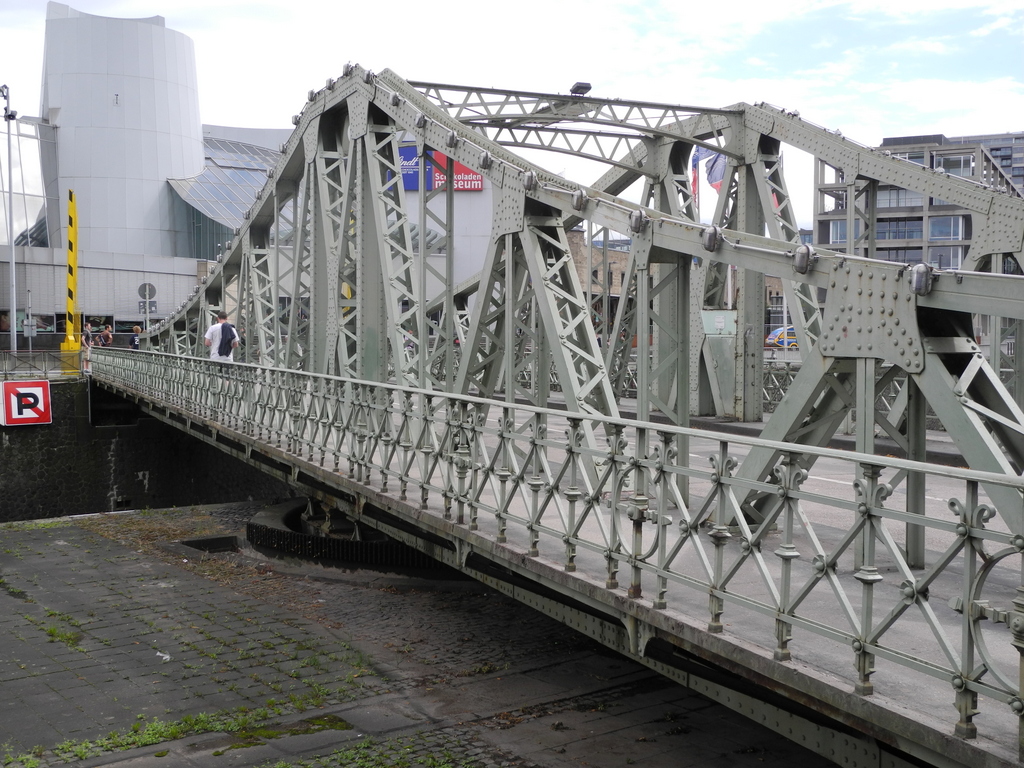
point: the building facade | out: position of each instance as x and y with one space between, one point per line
157 193
1007 149
903 225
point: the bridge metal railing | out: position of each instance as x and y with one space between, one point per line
39 365
818 575
776 378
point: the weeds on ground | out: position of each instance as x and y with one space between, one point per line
482 669
14 592
249 726
34 525
373 754
58 633
145 530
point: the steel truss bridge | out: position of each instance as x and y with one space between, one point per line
870 606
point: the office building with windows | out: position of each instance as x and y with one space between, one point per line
911 227
1006 149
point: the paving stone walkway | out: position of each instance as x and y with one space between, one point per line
104 640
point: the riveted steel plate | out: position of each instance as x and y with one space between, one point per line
508 213
870 312
358 115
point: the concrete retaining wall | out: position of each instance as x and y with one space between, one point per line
100 454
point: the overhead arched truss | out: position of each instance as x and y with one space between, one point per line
332 272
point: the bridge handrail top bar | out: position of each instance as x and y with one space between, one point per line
852 457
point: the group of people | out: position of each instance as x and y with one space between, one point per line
221 338
105 338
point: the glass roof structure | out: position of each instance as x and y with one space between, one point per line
226 189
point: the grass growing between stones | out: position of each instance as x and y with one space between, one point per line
420 751
33 525
145 531
250 727
69 635
204 644
14 592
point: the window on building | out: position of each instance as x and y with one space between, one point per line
900 229
896 197
28 216
776 311
914 157
899 255
955 165
832 200
837 231
946 228
946 256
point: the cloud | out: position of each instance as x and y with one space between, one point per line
1001 23
916 46
915 10
913 67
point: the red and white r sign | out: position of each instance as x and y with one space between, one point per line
26 402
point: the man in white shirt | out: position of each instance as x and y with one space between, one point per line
221 338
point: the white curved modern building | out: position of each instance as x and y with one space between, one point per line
157 192
122 96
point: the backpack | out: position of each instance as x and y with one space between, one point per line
227 339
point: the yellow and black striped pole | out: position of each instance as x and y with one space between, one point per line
73 331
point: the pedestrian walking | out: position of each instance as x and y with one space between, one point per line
133 342
222 338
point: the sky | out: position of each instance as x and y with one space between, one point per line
868 68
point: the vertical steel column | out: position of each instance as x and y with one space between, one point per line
422 253
866 573
917 451
790 476
9 117
685 375
747 402
864 432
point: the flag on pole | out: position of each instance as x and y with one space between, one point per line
699 155
716 170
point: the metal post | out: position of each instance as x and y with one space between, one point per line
9 117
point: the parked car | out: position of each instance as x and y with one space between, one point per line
782 337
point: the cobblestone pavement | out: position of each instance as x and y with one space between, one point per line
115 650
